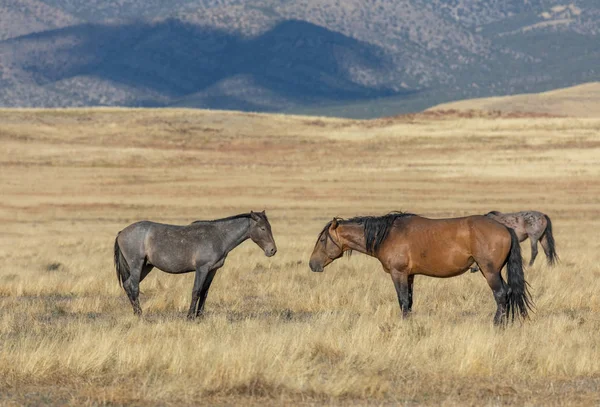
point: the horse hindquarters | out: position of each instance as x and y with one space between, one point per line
129 272
503 249
121 266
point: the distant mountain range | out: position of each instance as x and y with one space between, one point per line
358 58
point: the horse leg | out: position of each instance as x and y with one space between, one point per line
548 249
204 291
401 283
496 283
201 274
534 249
132 285
145 271
411 280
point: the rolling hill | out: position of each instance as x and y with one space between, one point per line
577 101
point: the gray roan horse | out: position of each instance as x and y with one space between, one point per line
534 225
201 246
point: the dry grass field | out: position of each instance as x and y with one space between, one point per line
575 101
274 332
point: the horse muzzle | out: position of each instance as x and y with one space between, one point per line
315 267
270 252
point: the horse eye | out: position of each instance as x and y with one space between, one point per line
262 228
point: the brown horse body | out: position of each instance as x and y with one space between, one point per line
407 245
534 225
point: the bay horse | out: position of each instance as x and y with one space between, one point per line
201 246
536 226
408 245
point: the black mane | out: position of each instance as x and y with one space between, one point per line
376 227
240 216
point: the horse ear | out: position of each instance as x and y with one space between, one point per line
334 223
254 216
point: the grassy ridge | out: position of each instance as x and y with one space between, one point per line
576 101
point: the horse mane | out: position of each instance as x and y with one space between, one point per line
376 228
240 216
493 213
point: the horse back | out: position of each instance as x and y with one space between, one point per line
442 247
524 223
171 248
178 249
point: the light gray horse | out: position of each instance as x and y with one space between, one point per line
201 246
534 225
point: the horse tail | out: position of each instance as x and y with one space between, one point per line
519 298
551 255
121 265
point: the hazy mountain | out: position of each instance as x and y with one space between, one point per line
350 57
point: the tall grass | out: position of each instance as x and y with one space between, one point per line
275 332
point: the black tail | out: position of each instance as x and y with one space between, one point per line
121 265
551 255
519 298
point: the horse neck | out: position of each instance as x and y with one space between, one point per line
352 237
234 232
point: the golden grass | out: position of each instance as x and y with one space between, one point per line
275 333
576 101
